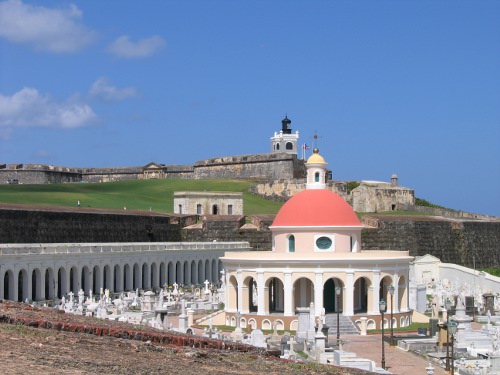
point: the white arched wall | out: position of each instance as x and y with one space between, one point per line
74 271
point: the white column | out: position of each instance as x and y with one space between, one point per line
260 293
240 290
288 294
318 293
349 294
395 298
376 291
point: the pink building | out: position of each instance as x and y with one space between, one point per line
316 249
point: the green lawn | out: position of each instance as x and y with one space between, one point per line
134 194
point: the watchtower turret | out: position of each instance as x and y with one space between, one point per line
285 141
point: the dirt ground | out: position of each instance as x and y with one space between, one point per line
28 350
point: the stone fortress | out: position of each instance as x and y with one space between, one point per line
278 175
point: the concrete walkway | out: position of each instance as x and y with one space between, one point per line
397 361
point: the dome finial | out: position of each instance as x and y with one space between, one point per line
316 150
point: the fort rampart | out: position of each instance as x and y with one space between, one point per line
23 225
259 166
452 241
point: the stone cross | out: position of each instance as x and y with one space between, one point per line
206 285
71 295
291 342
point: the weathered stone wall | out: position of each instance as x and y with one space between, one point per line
262 166
380 197
450 241
282 190
49 226
231 228
27 176
445 212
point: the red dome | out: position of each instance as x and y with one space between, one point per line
316 208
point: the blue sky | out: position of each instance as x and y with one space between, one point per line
406 87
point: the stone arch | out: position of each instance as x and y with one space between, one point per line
22 285
171 273
136 277
186 270
385 322
163 274
201 272
145 276
154 276
207 269
384 294
96 279
128 279
370 324
74 280
107 280
62 282
294 325
233 321
215 209
232 293
220 268
36 285
178 272
250 298
280 325
8 285
402 294
85 279
49 284
303 292
194 274
274 295
214 277
243 323
252 323
289 146
117 279
361 295
266 324
331 303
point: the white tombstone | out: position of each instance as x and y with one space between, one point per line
258 339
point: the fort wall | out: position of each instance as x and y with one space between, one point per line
258 166
281 190
449 240
22 225
452 241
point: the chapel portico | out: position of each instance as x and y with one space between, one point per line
316 248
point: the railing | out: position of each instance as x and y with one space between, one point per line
84 248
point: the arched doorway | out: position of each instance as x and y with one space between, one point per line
330 295
276 295
303 293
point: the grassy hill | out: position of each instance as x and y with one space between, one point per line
134 194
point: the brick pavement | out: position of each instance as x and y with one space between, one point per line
397 360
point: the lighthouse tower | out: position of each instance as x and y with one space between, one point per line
285 141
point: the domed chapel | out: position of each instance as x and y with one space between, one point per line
316 250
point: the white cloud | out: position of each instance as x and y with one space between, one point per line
54 30
123 47
28 108
101 89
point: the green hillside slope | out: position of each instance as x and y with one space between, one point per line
134 194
